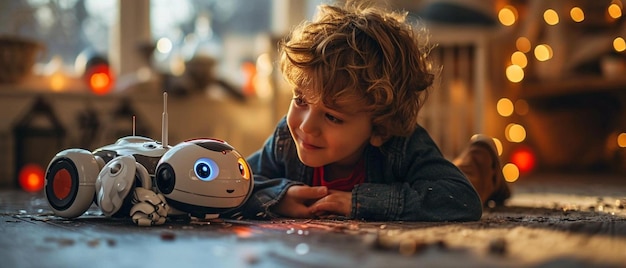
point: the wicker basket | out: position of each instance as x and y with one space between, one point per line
17 57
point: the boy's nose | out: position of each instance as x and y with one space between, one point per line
309 123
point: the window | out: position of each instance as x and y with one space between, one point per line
64 27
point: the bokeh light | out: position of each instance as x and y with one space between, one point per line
57 82
100 79
505 107
523 44
164 45
615 11
498 145
507 15
31 178
524 159
521 107
519 58
510 172
551 17
514 73
621 140
619 44
577 14
543 52
515 133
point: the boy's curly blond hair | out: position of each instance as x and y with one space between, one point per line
364 52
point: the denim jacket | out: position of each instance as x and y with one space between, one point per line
407 179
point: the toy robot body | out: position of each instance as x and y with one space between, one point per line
146 151
71 176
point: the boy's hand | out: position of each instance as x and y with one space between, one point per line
295 203
335 203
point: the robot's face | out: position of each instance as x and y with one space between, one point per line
204 175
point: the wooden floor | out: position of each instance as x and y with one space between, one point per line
552 221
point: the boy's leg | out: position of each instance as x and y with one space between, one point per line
481 164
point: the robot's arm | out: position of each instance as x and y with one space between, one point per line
150 208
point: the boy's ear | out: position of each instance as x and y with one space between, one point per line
378 136
377 140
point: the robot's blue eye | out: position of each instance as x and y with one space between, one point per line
206 169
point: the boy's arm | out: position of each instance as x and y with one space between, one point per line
424 186
269 182
442 199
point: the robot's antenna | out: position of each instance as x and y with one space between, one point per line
164 121
134 125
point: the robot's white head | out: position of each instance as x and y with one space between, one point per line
204 176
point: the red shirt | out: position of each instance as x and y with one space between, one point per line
342 184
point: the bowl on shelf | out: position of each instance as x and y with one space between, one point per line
17 57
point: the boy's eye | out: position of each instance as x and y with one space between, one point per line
299 101
334 119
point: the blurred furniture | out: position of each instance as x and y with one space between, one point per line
458 104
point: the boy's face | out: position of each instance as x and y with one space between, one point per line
324 135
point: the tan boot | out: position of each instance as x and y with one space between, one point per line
481 164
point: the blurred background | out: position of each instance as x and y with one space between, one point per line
547 79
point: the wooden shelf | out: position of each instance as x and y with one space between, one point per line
570 86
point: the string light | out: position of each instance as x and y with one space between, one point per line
505 107
551 17
619 44
615 11
543 52
521 107
519 58
510 172
514 73
523 44
515 133
507 15
577 14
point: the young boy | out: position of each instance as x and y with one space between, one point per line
350 144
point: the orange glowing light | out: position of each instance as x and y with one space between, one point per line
543 52
619 44
621 140
249 70
524 159
519 58
507 15
615 11
515 133
551 17
577 14
521 107
510 172
242 232
514 73
523 44
100 79
31 178
505 107
57 82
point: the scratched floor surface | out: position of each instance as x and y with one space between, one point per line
552 221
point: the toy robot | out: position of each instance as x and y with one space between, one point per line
75 176
148 180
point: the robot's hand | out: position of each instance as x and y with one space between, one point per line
149 208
